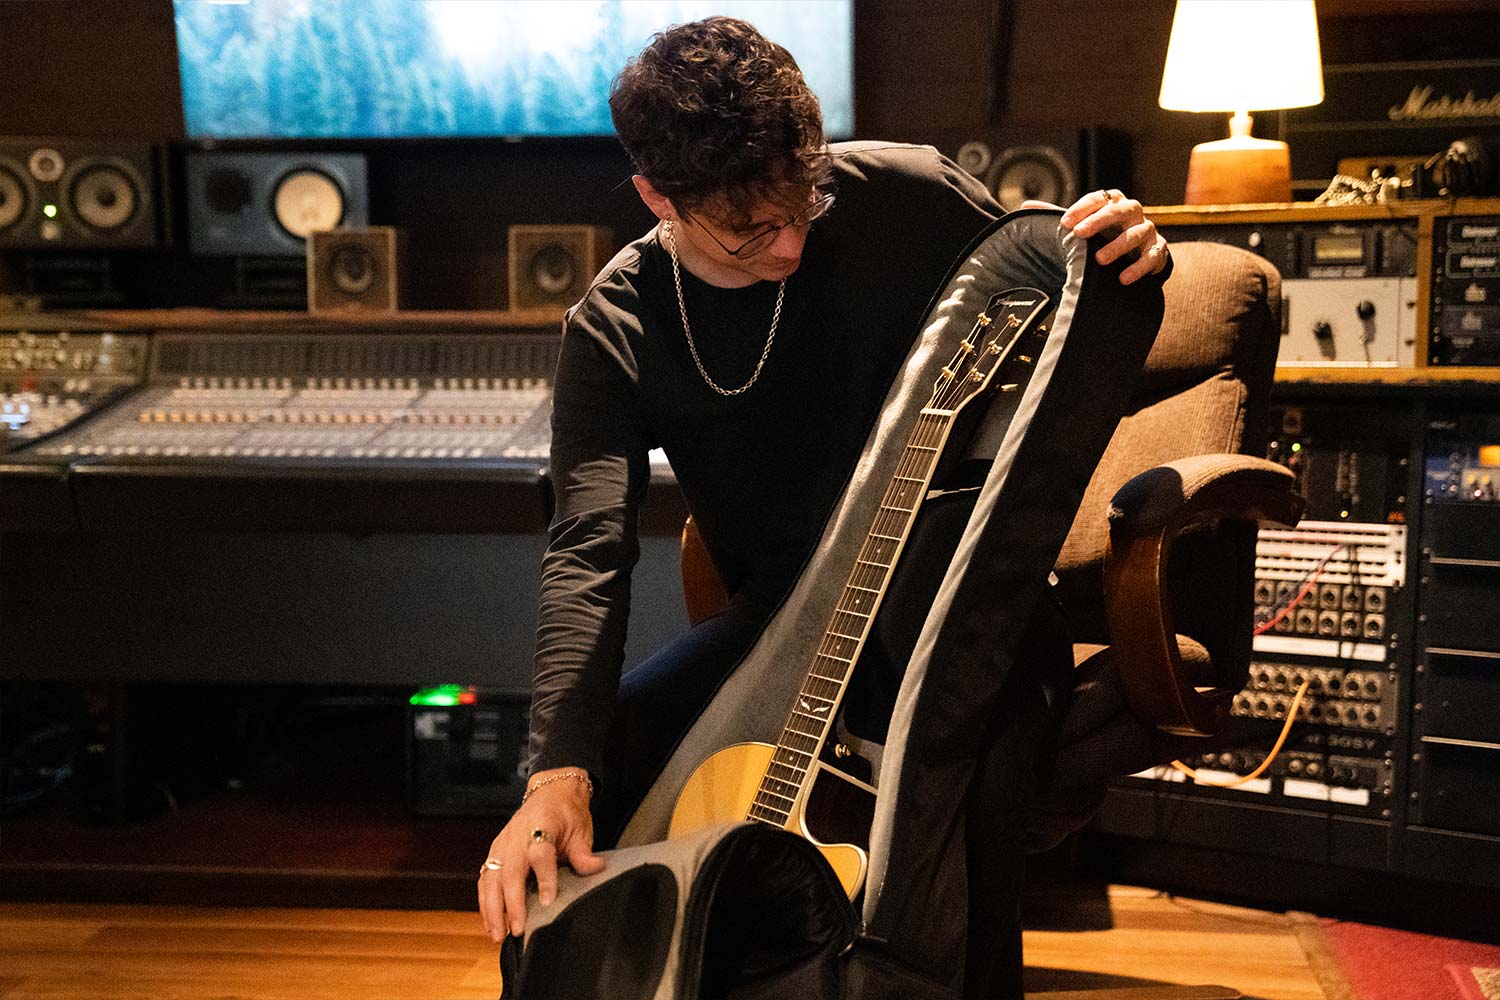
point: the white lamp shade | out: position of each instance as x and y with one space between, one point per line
1242 55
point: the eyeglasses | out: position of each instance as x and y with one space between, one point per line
765 238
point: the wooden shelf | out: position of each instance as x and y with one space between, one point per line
1306 211
1432 376
531 321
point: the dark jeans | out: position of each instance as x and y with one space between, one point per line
1014 760
658 702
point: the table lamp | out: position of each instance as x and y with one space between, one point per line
1237 56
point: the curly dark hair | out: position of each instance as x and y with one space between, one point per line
715 114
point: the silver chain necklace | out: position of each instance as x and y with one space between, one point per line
671 241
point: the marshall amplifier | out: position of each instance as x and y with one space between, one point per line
1383 109
1464 317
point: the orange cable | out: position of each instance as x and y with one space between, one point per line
1291 717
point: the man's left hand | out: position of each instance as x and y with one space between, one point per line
1101 210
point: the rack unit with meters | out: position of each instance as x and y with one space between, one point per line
1403 293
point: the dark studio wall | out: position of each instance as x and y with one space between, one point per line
930 72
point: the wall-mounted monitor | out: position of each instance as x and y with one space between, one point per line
306 69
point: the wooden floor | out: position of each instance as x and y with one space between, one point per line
67 952
1156 939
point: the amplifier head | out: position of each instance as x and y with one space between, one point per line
266 204
73 194
551 266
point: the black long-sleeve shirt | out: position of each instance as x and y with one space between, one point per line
761 470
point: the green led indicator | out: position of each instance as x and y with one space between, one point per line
50 211
442 695
1296 447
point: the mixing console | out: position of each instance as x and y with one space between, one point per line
277 397
323 418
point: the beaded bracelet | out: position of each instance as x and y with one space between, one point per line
582 776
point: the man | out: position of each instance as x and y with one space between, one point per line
753 334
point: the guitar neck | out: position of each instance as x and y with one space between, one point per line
813 712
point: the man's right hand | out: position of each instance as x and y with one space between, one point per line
552 824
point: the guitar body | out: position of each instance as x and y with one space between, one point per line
724 786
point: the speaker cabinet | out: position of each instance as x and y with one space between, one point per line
354 270
1046 163
266 204
72 194
552 266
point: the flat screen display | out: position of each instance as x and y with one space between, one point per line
409 68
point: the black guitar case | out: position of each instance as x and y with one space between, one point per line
908 937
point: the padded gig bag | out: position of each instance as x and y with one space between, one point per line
664 930
747 912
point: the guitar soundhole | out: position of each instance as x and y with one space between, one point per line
839 812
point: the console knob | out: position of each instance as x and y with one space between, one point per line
1323 330
1365 309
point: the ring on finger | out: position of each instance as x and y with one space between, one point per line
490 865
540 836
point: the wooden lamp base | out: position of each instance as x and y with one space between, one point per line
1239 170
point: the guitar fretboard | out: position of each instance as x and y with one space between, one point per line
812 713
811 717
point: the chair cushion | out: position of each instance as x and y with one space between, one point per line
1204 391
1221 302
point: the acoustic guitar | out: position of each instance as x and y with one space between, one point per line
790 784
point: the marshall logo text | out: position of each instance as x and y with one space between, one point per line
1421 105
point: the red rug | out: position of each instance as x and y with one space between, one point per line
1378 963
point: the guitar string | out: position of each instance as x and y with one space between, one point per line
953 389
928 431
789 731
945 398
925 437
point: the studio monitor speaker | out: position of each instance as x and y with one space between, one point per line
266 204
78 194
551 266
1047 163
354 270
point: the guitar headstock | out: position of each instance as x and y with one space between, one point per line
1006 318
